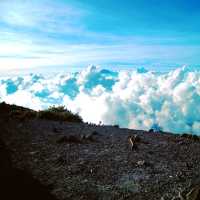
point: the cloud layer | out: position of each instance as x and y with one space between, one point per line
136 99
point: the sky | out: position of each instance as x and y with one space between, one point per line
71 34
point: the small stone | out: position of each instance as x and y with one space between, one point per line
33 152
117 158
140 163
56 169
89 137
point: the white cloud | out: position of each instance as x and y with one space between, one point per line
138 100
24 98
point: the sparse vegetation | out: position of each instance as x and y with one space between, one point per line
59 113
191 136
58 109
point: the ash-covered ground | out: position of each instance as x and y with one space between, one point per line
50 159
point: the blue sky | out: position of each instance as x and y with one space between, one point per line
74 33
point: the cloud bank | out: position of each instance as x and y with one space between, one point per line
137 99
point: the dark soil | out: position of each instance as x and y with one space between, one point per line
43 159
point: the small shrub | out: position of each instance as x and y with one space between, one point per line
190 136
59 114
57 109
151 130
195 137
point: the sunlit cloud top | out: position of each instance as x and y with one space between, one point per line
44 33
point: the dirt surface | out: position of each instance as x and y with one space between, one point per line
81 161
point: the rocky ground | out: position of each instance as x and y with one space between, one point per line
45 159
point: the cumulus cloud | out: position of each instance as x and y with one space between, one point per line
138 99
